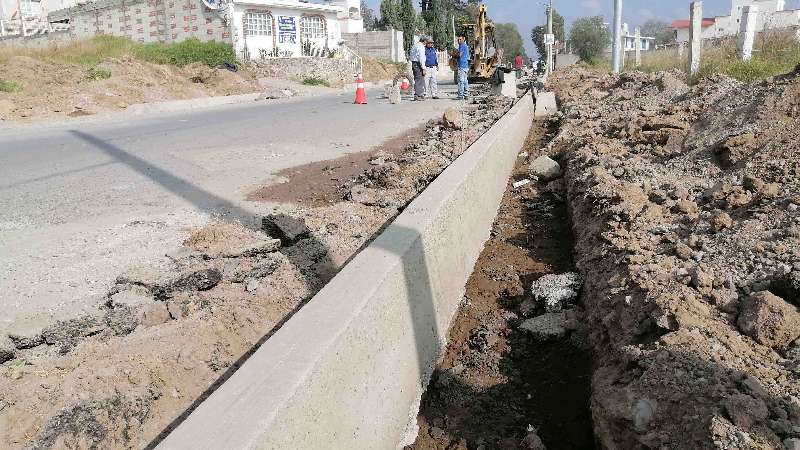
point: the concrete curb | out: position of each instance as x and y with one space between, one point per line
349 369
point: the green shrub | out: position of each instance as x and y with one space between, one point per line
314 81
9 86
96 73
189 51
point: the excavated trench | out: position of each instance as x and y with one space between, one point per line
497 386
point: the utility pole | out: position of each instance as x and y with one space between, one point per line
616 47
549 46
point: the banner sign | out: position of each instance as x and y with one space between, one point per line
287 30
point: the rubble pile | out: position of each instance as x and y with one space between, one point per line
684 202
119 376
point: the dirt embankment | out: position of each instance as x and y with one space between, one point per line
685 206
170 330
50 89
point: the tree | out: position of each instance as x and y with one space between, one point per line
589 37
390 15
408 23
659 30
538 32
436 22
368 14
508 38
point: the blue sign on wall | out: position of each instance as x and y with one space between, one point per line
287 30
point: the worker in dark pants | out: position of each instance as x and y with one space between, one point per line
417 59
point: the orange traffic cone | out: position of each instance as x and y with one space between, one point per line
361 94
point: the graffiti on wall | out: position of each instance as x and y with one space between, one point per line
287 30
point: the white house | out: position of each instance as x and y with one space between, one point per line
772 15
292 28
629 40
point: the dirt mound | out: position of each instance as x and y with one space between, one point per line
375 70
685 206
51 89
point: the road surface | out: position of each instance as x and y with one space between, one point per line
82 202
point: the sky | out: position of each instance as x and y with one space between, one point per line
529 13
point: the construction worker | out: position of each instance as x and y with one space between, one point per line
519 63
417 59
463 67
431 70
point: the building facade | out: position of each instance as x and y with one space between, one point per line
291 28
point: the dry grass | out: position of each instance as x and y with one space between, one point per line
91 52
775 53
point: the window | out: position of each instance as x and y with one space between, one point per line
258 24
313 27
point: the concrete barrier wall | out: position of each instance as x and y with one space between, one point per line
348 370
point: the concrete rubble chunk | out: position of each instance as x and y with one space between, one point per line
643 412
555 291
452 119
131 297
547 327
545 104
545 168
154 314
165 277
286 228
792 444
68 330
22 342
257 248
769 320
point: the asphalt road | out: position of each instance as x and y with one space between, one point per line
82 202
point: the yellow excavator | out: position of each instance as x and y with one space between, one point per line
486 56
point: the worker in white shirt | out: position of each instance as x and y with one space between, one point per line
418 68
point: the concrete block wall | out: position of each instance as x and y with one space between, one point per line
337 72
384 45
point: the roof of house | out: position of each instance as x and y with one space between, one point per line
684 23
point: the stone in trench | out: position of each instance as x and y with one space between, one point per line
769 319
286 228
701 280
252 286
547 327
792 444
745 411
154 314
686 206
532 441
545 168
555 290
643 412
452 119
